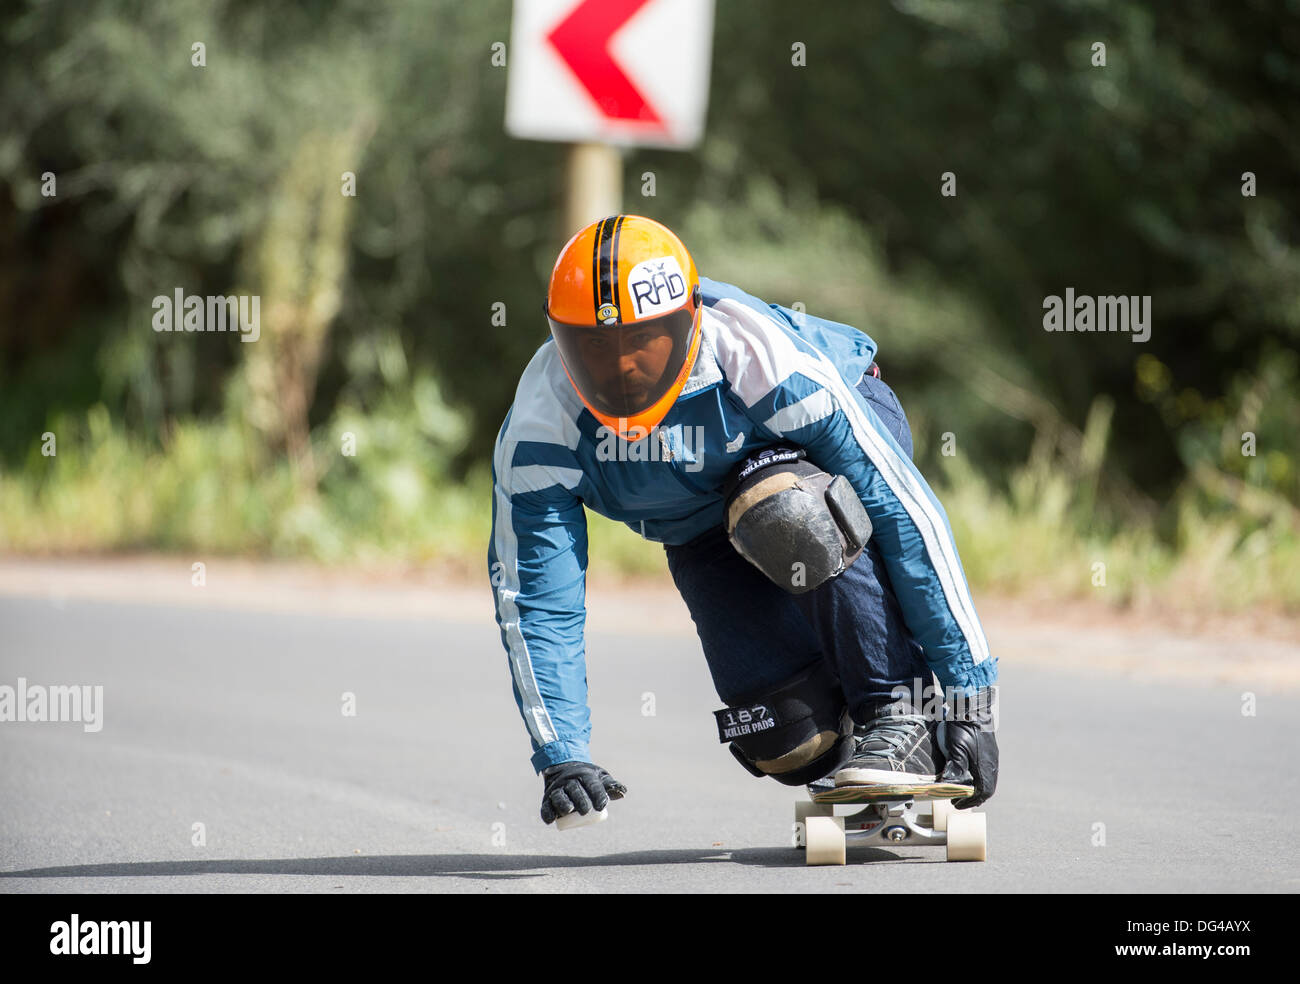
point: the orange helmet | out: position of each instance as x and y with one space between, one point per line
624 308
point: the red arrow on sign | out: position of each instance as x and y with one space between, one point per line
582 41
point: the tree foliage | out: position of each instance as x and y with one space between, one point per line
817 182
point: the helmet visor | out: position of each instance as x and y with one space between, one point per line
623 370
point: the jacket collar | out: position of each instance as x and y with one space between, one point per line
706 372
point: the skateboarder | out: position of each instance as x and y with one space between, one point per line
761 446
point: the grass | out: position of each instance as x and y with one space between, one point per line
209 489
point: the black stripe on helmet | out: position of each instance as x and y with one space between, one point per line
618 228
595 265
604 262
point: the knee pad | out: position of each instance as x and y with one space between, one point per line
795 523
796 734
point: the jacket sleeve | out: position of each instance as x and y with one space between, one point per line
794 392
537 562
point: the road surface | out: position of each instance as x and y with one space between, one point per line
234 720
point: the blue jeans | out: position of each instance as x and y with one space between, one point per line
756 635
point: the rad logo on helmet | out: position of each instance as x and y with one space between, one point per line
656 285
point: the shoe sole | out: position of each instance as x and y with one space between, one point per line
881 777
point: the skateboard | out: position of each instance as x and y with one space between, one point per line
891 816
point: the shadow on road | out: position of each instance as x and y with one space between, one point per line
490 866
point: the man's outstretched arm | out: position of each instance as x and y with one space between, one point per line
537 561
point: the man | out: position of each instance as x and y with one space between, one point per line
818 566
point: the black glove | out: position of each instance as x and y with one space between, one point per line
972 747
577 786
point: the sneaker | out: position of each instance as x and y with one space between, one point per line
891 750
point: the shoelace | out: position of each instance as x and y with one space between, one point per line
888 734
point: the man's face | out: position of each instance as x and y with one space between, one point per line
626 363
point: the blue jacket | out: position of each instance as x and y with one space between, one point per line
764 374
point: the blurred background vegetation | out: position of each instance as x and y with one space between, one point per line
816 184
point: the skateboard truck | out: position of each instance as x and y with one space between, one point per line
890 815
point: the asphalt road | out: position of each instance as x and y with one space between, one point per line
233 720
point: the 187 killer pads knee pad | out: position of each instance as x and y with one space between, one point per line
791 520
796 734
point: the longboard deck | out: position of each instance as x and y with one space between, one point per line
873 792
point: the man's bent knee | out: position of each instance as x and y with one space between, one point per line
795 523
799 732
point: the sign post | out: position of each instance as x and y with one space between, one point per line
594 187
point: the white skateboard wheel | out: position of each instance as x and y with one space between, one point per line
825 840
803 809
576 819
967 836
942 810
